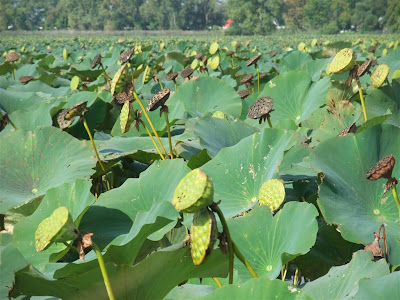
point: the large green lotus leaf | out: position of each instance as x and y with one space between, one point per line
11 101
294 60
268 242
314 68
346 198
239 171
152 278
383 99
40 88
295 96
343 282
35 161
384 288
392 60
260 288
215 133
27 70
189 291
117 209
76 98
75 196
11 260
207 94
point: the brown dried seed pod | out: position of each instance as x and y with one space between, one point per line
62 122
25 79
125 56
372 49
95 61
30 61
186 60
238 74
199 55
253 60
229 53
121 98
349 129
204 60
158 100
262 75
261 108
172 76
247 79
364 68
186 73
272 54
76 110
382 169
243 94
12 56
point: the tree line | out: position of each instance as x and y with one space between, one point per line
249 17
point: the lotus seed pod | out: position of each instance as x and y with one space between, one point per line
121 98
194 192
117 81
59 227
219 115
12 56
247 79
214 48
261 108
125 56
272 194
230 53
158 100
195 64
96 60
172 76
272 54
343 61
186 73
215 63
253 60
74 83
364 68
382 169
25 79
125 117
243 94
349 129
203 235
379 76
198 56
76 110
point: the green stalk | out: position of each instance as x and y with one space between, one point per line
159 82
95 151
103 271
396 198
244 261
229 239
362 100
169 134
149 121
106 75
2 222
258 79
176 88
217 281
269 121
152 139
233 64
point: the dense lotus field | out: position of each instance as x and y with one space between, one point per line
165 168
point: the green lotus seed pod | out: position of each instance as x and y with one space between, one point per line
343 61
301 46
272 194
125 117
59 227
117 81
314 42
214 48
194 192
195 63
214 62
203 235
379 76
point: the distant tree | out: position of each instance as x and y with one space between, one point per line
294 16
393 15
369 15
340 13
317 13
6 15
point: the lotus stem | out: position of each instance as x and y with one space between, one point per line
217 281
2 223
362 100
103 271
296 278
269 121
396 198
106 75
70 246
284 272
161 86
152 139
233 63
384 239
229 239
95 151
244 261
258 79
252 88
176 88
169 134
149 121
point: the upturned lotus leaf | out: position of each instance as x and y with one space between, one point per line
203 235
272 194
74 83
379 76
194 192
342 62
59 227
215 63
214 48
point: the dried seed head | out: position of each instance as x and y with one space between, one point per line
158 100
96 60
261 108
172 76
125 56
25 79
374 247
253 60
238 74
187 72
243 94
263 74
364 68
372 49
121 98
272 54
62 122
349 129
247 79
382 169
229 53
186 60
199 55
30 61
12 56
204 60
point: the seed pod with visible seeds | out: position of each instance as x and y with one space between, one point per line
203 234
253 60
263 74
349 129
382 169
379 75
364 68
12 56
187 72
243 94
261 108
247 79
198 55
172 76
76 110
272 194
125 56
272 54
371 49
95 61
61 121
343 61
25 79
121 98
158 100
194 192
